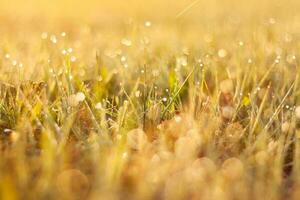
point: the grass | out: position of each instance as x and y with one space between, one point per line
109 100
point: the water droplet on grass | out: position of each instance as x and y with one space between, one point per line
64 52
80 96
272 21
44 35
14 62
290 59
137 93
222 53
53 39
98 106
126 42
148 23
73 58
123 59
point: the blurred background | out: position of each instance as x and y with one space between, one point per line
189 22
115 10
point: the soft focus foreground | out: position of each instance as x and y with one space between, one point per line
149 99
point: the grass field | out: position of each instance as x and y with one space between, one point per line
153 99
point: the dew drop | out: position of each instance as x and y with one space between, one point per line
148 24
53 39
80 96
126 42
222 53
44 35
73 59
98 106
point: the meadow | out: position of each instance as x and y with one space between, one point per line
150 99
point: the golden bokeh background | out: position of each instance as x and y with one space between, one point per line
93 10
